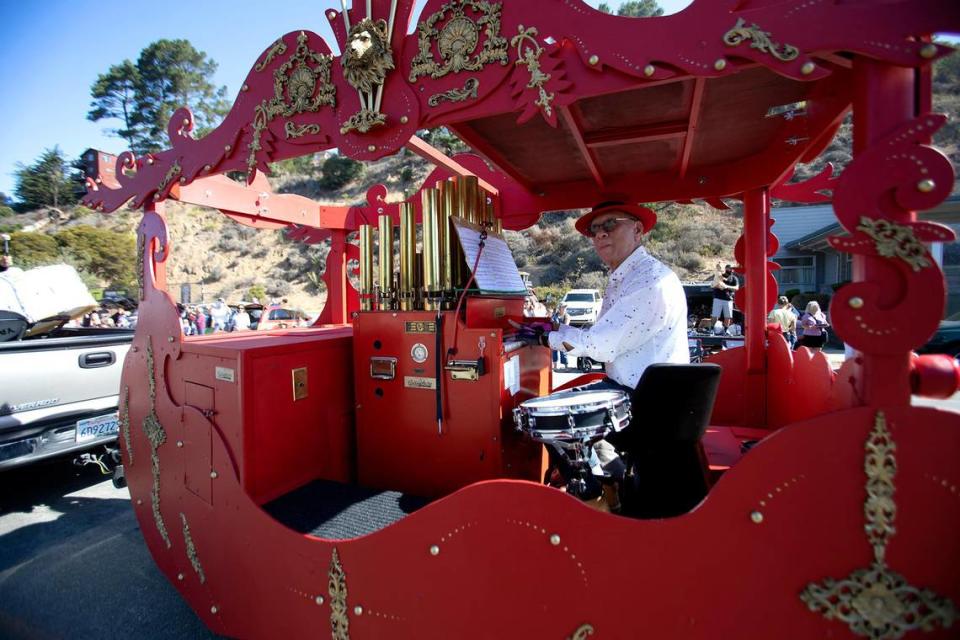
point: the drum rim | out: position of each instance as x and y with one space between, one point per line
616 399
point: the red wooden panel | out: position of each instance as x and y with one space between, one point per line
196 440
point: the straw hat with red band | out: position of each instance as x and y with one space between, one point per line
646 217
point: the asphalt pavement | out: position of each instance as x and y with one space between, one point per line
74 565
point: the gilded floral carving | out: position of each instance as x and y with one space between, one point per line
877 602
760 40
458 38
300 85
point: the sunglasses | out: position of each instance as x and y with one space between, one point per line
607 225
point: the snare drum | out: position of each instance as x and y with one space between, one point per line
573 416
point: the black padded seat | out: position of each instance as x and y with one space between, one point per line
667 470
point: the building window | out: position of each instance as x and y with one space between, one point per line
795 273
845 267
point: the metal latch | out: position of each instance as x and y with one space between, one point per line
299 384
466 369
382 368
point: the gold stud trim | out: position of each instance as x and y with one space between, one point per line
877 602
926 185
928 51
594 59
808 68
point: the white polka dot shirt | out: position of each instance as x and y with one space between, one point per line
643 320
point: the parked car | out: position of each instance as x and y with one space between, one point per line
583 305
276 317
946 339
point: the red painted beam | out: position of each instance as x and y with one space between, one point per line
572 121
756 214
632 135
431 154
696 102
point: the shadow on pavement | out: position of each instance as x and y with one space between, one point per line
74 565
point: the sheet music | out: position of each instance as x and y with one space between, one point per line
497 271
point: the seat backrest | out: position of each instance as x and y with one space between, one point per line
671 407
673 402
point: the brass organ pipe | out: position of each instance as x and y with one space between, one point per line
431 246
366 267
386 262
448 207
408 255
457 260
467 192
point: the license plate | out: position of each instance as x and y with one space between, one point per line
99 427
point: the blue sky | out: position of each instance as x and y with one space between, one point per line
51 52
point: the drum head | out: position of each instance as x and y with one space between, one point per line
574 402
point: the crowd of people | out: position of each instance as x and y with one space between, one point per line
218 317
106 317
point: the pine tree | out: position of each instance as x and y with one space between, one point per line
173 74
168 74
114 96
49 182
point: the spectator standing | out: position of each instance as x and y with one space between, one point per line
725 285
201 321
784 316
219 312
814 324
241 320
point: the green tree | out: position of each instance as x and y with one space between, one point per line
32 249
635 9
173 74
115 97
339 170
168 74
49 182
258 292
640 9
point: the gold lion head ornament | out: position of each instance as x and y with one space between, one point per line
367 58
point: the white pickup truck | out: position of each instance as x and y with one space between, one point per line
59 387
583 306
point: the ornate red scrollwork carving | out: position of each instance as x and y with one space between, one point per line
772 246
873 201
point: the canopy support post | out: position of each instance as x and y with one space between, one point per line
884 98
756 216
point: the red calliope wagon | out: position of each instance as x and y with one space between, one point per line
375 475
